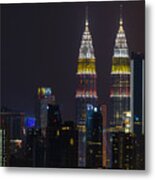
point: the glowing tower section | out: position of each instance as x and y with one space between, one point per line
120 79
86 90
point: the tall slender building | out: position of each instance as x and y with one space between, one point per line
86 89
45 98
120 79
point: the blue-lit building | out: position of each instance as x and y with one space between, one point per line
94 137
29 122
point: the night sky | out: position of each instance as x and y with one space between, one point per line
40 46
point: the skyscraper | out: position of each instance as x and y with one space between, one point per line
53 139
94 137
69 137
4 148
45 97
137 90
105 136
86 89
137 107
120 79
123 150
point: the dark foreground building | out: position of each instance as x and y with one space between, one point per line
69 145
94 137
137 107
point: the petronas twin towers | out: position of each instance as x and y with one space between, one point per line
86 92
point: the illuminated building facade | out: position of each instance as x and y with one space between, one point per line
12 125
120 79
123 150
29 122
86 89
105 135
45 97
94 137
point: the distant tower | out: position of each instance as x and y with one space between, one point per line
86 89
45 98
120 78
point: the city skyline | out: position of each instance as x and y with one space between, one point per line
84 110
48 48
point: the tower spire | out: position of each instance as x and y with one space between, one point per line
86 48
121 15
121 19
121 47
86 19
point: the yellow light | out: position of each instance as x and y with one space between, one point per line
65 128
127 130
58 133
38 91
43 90
71 141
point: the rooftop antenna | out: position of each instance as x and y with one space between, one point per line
86 15
121 15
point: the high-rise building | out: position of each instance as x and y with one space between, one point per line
137 92
4 148
45 97
94 137
105 137
34 148
69 140
12 126
86 92
137 107
53 139
12 123
123 150
120 79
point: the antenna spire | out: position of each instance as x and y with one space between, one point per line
121 15
86 16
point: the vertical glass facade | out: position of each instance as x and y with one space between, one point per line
120 79
86 90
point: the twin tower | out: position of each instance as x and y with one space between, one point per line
86 92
